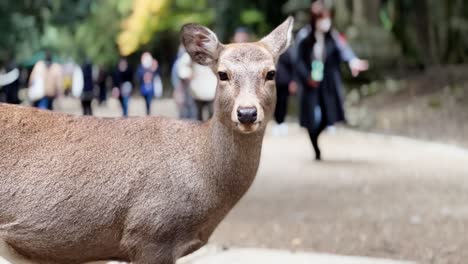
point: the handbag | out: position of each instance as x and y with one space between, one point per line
77 82
158 86
36 90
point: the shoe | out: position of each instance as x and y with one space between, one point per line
318 157
284 129
276 130
331 130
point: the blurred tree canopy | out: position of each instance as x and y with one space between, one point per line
414 32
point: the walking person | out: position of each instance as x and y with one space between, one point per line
149 78
87 95
319 57
123 84
102 85
45 83
202 83
285 85
203 86
10 82
180 78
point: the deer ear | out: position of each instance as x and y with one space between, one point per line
280 39
201 43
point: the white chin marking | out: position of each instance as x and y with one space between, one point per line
248 129
8 256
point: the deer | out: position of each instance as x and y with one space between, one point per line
145 190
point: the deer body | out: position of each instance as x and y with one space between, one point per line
145 190
94 192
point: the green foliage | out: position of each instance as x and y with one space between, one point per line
94 38
426 31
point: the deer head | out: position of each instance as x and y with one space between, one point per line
246 92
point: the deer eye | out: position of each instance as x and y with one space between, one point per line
271 75
223 76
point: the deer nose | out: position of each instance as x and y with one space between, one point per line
247 115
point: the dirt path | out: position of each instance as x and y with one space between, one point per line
375 196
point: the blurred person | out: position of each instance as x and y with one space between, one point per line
241 35
180 78
102 84
87 95
202 83
176 82
148 74
285 85
45 83
319 56
203 86
68 69
10 82
123 84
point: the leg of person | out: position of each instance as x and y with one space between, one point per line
189 104
102 93
43 103
121 101
127 105
83 107
281 103
281 110
210 109
199 109
192 106
148 100
88 110
50 103
124 102
91 108
314 135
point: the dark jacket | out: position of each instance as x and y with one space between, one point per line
119 78
147 88
88 88
285 69
11 90
327 99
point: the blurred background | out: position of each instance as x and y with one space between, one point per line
417 49
375 195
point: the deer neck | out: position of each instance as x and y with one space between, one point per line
235 159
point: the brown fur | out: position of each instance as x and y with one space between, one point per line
146 190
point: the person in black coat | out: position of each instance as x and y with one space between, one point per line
319 56
88 88
102 84
11 90
284 85
123 84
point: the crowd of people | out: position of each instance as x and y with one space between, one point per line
49 79
310 68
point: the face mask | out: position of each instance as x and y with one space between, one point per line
324 25
147 61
